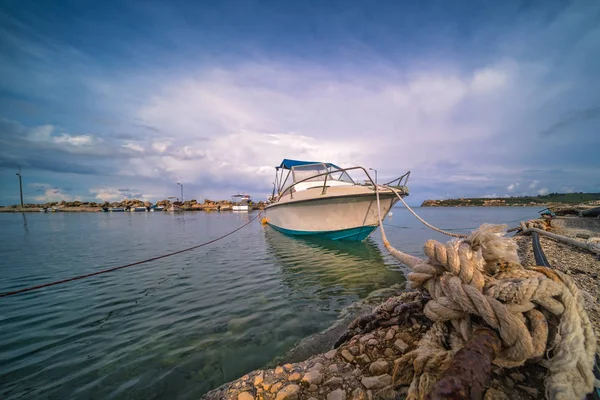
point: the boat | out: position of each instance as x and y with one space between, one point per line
157 208
322 199
138 209
117 209
175 205
241 202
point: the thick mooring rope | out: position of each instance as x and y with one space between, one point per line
479 280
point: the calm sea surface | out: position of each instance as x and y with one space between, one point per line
180 326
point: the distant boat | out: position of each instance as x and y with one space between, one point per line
175 205
241 202
321 199
157 208
116 209
44 210
138 209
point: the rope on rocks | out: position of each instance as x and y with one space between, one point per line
479 281
589 245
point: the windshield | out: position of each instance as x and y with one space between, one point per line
308 173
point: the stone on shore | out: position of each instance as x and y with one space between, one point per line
290 392
376 382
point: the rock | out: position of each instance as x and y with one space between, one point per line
494 394
347 356
379 367
354 350
401 345
533 392
258 379
266 385
312 398
337 394
389 353
295 377
387 393
390 334
334 382
313 388
317 367
276 387
245 396
333 368
288 367
313 377
330 354
363 359
279 370
517 377
366 338
290 392
376 382
372 342
359 394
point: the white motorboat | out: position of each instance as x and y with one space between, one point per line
241 202
138 209
322 199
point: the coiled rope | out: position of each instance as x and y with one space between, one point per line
75 278
479 280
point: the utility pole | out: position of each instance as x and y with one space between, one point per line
181 191
20 186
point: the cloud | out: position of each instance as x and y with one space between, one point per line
512 186
543 191
534 184
110 194
571 119
50 193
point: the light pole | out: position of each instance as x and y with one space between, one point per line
20 186
181 191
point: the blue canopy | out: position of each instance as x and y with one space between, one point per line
288 164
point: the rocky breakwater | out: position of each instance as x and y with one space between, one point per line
361 368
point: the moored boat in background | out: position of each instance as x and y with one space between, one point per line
241 202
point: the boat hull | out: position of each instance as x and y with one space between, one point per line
241 208
342 217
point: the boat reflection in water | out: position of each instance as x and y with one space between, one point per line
320 267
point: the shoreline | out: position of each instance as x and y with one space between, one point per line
365 366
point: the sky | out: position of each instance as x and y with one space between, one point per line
107 100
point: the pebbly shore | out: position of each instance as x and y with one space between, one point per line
365 365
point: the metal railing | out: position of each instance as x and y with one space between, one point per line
326 174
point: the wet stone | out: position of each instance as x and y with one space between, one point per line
335 381
313 376
296 376
376 382
347 356
245 396
290 392
337 394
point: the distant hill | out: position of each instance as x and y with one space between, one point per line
548 199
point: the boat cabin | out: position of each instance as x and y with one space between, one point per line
294 176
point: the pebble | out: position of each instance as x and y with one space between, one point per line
494 394
258 379
245 396
313 388
516 376
330 354
354 350
401 345
266 385
359 394
366 338
313 376
347 356
318 366
389 353
389 335
276 387
372 342
296 376
357 372
376 382
279 370
333 368
337 394
379 367
334 382
288 367
290 392
363 359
